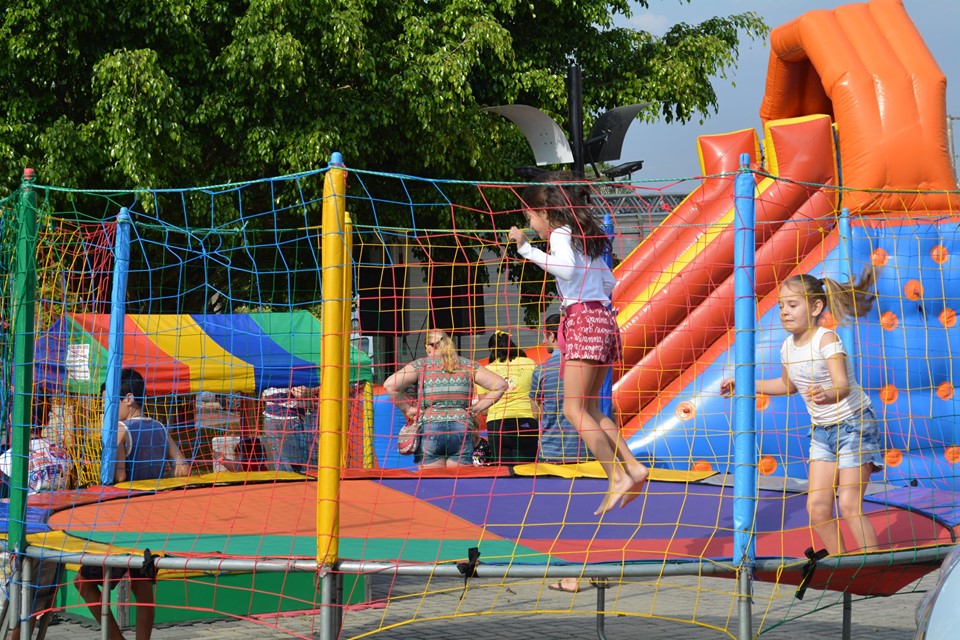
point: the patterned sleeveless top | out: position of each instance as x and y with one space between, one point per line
444 396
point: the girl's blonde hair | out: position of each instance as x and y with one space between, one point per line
848 300
443 348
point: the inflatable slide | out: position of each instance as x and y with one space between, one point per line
854 110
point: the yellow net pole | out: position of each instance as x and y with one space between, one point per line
347 313
332 366
367 408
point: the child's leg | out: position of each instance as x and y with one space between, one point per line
578 383
853 486
820 499
142 590
637 472
90 593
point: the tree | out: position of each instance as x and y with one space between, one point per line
125 94
130 95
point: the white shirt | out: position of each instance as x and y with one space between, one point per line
48 468
807 367
579 278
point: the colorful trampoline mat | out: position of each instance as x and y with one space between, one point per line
534 520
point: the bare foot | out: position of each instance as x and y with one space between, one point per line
638 475
605 506
622 484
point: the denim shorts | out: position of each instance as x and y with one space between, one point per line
851 443
446 439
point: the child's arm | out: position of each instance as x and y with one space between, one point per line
769 387
120 467
181 467
837 367
559 262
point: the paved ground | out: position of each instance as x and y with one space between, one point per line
709 601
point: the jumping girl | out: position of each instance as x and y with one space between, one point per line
589 336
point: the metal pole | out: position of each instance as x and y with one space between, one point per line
932 556
847 615
575 107
105 605
744 425
328 618
601 585
26 601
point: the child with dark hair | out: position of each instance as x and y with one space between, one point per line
512 430
145 451
560 212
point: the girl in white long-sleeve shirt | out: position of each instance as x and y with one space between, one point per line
589 336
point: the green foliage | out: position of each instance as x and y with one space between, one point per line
132 95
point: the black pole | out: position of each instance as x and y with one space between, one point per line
575 103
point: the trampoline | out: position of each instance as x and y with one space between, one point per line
512 518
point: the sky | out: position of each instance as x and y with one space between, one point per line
670 151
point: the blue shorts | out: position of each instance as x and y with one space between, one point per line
851 443
448 439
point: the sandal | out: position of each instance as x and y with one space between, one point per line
558 586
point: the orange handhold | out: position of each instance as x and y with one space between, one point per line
945 390
948 317
889 321
768 464
686 410
889 394
893 458
701 465
913 290
939 254
952 454
879 257
828 321
763 401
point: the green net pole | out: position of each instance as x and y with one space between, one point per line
24 293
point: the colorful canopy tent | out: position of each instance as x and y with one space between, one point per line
180 354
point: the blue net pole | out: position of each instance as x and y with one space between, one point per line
744 429
606 391
118 311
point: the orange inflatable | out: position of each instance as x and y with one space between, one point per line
672 324
867 66
863 68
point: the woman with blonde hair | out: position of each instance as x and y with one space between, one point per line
444 406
